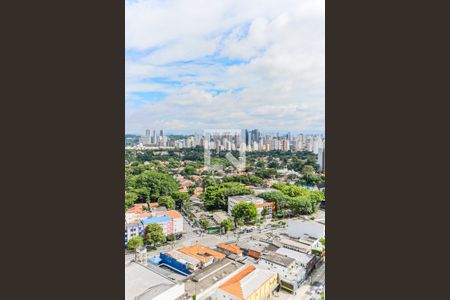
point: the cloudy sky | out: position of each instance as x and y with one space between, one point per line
204 64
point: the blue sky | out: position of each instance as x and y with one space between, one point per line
201 64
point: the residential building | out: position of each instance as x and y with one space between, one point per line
164 221
133 229
176 218
250 283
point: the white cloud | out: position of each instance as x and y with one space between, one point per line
281 85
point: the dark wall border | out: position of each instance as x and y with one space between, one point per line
63 125
63 147
385 85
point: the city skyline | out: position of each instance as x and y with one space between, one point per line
200 131
224 65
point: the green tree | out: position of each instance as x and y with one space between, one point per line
322 241
191 190
157 184
245 179
264 212
135 242
189 170
311 180
227 225
143 194
266 173
167 201
273 164
209 181
130 199
278 197
301 205
245 211
308 170
204 223
260 164
180 198
216 197
153 234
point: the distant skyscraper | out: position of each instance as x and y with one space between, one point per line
320 159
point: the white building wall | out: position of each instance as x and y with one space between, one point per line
178 225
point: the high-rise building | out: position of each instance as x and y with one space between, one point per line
285 145
153 139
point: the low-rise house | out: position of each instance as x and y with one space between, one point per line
305 260
253 248
291 274
230 249
293 245
310 232
220 216
205 255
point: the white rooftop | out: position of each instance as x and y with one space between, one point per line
254 281
143 283
181 256
302 258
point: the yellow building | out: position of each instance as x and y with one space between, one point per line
249 284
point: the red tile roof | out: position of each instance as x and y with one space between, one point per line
233 248
233 286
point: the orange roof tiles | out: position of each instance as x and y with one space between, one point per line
173 214
137 208
199 252
233 248
266 204
233 286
